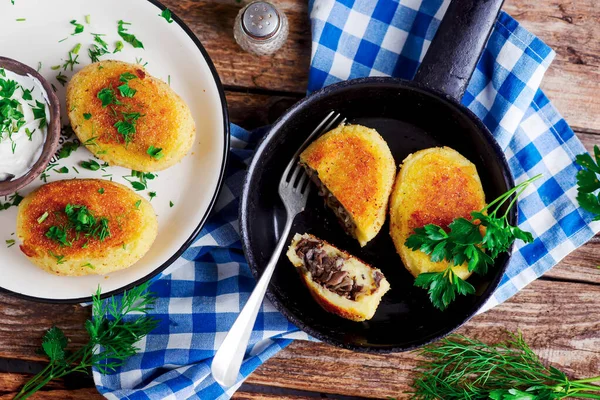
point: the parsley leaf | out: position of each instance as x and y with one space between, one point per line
39 112
87 116
166 14
67 149
464 243
128 37
588 183
107 96
54 344
27 94
78 27
155 152
91 165
118 47
7 88
95 52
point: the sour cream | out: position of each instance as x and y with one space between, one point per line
20 151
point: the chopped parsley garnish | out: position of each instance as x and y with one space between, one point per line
39 112
98 39
42 217
140 61
78 27
62 79
62 170
67 149
152 195
118 47
142 179
29 133
107 96
128 37
171 204
21 20
137 204
55 67
91 165
155 152
79 221
87 116
2 72
7 88
91 141
10 243
166 14
75 169
101 190
70 63
27 94
76 48
13 201
88 265
87 19
126 91
39 67
126 127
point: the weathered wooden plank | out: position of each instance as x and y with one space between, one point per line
560 321
11 383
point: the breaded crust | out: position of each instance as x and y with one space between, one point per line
434 186
357 167
133 227
361 309
166 123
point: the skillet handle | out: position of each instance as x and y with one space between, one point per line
457 45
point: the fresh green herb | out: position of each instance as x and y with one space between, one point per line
140 61
54 88
137 204
588 183
2 72
171 204
98 39
7 88
91 165
101 190
78 27
75 169
76 48
10 243
91 141
42 217
95 52
67 149
29 133
128 37
118 47
126 127
39 67
155 152
62 170
58 234
39 112
88 19
87 116
457 368
126 91
55 67
70 63
62 79
113 335
142 179
60 259
85 245
88 265
27 94
13 201
152 195
61 40
127 76
465 243
107 96
11 117
166 14
21 20
169 80
80 220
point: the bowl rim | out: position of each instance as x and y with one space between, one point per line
213 200
52 136
256 160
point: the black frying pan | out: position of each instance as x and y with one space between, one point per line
410 116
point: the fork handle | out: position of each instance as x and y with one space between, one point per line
228 359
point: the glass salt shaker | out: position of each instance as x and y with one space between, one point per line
260 28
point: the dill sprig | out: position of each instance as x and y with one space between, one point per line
457 367
113 336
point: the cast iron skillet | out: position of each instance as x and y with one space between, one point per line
410 116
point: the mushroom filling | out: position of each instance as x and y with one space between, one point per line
327 270
332 202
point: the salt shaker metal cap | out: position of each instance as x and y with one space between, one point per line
260 28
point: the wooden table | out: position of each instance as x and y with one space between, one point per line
559 314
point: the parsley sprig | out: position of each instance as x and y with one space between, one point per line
113 335
457 368
80 221
128 37
588 183
465 243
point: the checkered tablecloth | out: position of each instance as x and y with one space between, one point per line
202 293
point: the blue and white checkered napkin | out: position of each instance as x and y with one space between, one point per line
202 293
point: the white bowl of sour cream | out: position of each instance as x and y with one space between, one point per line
29 125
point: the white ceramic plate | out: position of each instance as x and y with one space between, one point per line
171 50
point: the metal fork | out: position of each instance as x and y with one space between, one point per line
294 188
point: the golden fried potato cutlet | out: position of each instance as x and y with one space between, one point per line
354 169
124 116
340 283
85 226
434 186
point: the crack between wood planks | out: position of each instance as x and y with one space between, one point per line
568 280
264 92
277 390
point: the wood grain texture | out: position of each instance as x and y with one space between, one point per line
11 383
